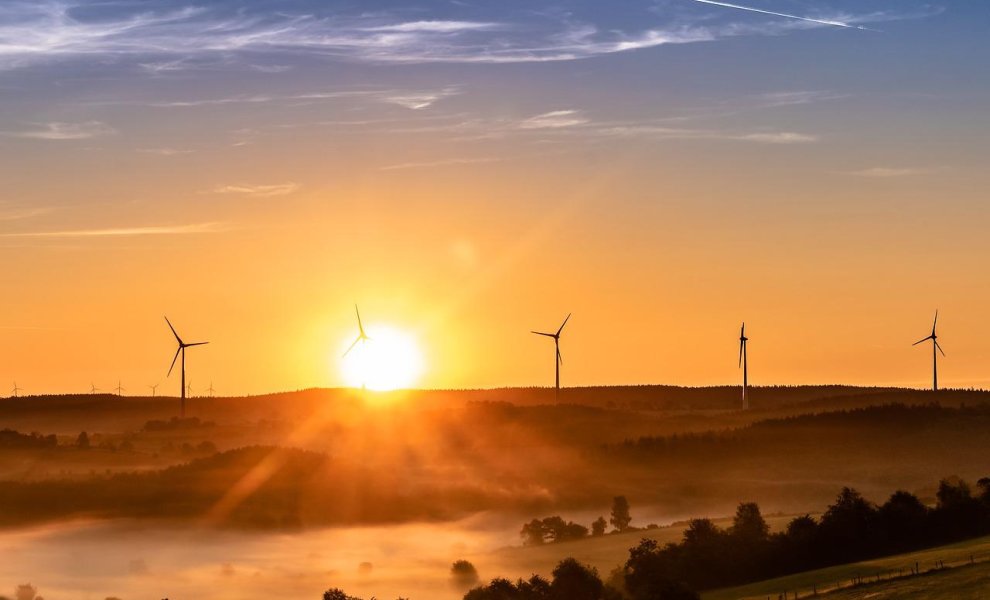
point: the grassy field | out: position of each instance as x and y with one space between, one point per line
964 582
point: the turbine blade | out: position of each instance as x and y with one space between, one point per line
939 348
177 338
741 345
935 322
560 359
360 325
742 331
351 347
196 344
550 335
922 340
174 358
564 323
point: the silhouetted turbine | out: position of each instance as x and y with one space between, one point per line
118 388
557 358
181 350
210 389
93 389
154 389
742 363
361 335
935 346
15 390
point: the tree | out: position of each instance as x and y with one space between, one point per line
647 578
82 442
463 575
574 581
620 517
26 592
533 533
336 594
952 494
598 527
748 524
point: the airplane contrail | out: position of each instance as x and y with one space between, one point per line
777 14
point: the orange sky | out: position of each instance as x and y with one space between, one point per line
662 195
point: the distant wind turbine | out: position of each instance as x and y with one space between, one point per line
557 358
742 363
189 389
154 389
935 347
181 350
92 388
210 389
361 335
15 390
118 388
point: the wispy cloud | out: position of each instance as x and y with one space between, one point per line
889 172
419 100
195 228
165 151
439 163
776 137
164 40
56 130
832 22
17 214
279 189
554 120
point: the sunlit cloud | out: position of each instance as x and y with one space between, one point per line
165 151
554 120
279 189
433 26
57 130
778 137
194 228
419 100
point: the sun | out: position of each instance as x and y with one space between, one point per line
389 359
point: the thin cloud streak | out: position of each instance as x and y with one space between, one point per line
888 172
278 189
788 16
439 163
60 131
194 228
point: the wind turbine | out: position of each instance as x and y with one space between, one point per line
557 358
189 389
118 388
181 350
154 389
92 388
361 335
15 390
742 363
935 347
210 389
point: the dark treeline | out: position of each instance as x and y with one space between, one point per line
850 530
14 439
879 425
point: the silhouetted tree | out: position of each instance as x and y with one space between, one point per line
620 517
336 594
82 442
903 519
574 581
463 574
647 575
26 592
598 527
533 533
749 526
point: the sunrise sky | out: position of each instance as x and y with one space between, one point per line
468 171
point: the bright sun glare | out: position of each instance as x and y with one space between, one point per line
389 359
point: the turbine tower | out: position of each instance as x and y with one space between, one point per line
557 358
182 351
935 350
361 335
119 388
154 389
742 363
